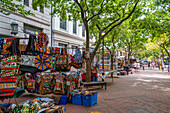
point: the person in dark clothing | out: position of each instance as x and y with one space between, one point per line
126 68
143 66
149 65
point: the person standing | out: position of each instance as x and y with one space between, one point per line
126 68
149 65
143 67
153 65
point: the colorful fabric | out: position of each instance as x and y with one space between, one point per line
42 41
52 63
62 59
7 86
46 84
42 62
10 63
1 44
6 45
78 57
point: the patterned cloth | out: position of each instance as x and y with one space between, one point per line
10 64
62 59
7 86
42 62
77 57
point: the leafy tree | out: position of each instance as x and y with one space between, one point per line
8 6
103 15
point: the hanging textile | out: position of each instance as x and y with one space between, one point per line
10 64
46 83
63 61
42 41
77 57
42 62
7 86
6 45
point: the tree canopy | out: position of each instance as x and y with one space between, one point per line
8 6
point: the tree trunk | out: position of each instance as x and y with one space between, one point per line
88 61
88 70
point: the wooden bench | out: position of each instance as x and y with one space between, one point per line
99 83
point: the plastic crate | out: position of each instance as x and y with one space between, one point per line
63 100
77 99
89 100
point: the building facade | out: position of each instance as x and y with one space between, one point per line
40 22
65 33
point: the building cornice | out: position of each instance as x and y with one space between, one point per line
69 35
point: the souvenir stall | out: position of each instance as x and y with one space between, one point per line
43 70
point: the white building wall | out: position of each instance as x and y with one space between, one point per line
40 20
67 36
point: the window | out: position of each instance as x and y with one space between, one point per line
74 27
41 10
83 30
63 24
26 2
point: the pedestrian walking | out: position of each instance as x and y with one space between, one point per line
153 65
143 67
158 65
149 65
126 68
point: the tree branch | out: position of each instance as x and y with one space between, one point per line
82 10
121 20
111 24
100 11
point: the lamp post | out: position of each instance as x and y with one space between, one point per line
14 26
103 57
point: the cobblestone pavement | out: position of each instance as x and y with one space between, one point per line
145 91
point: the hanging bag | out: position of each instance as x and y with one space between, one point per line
31 84
62 62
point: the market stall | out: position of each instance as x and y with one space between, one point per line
43 70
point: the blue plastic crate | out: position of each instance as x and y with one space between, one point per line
63 100
89 100
77 99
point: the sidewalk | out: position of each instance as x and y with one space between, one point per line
145 91
142 92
